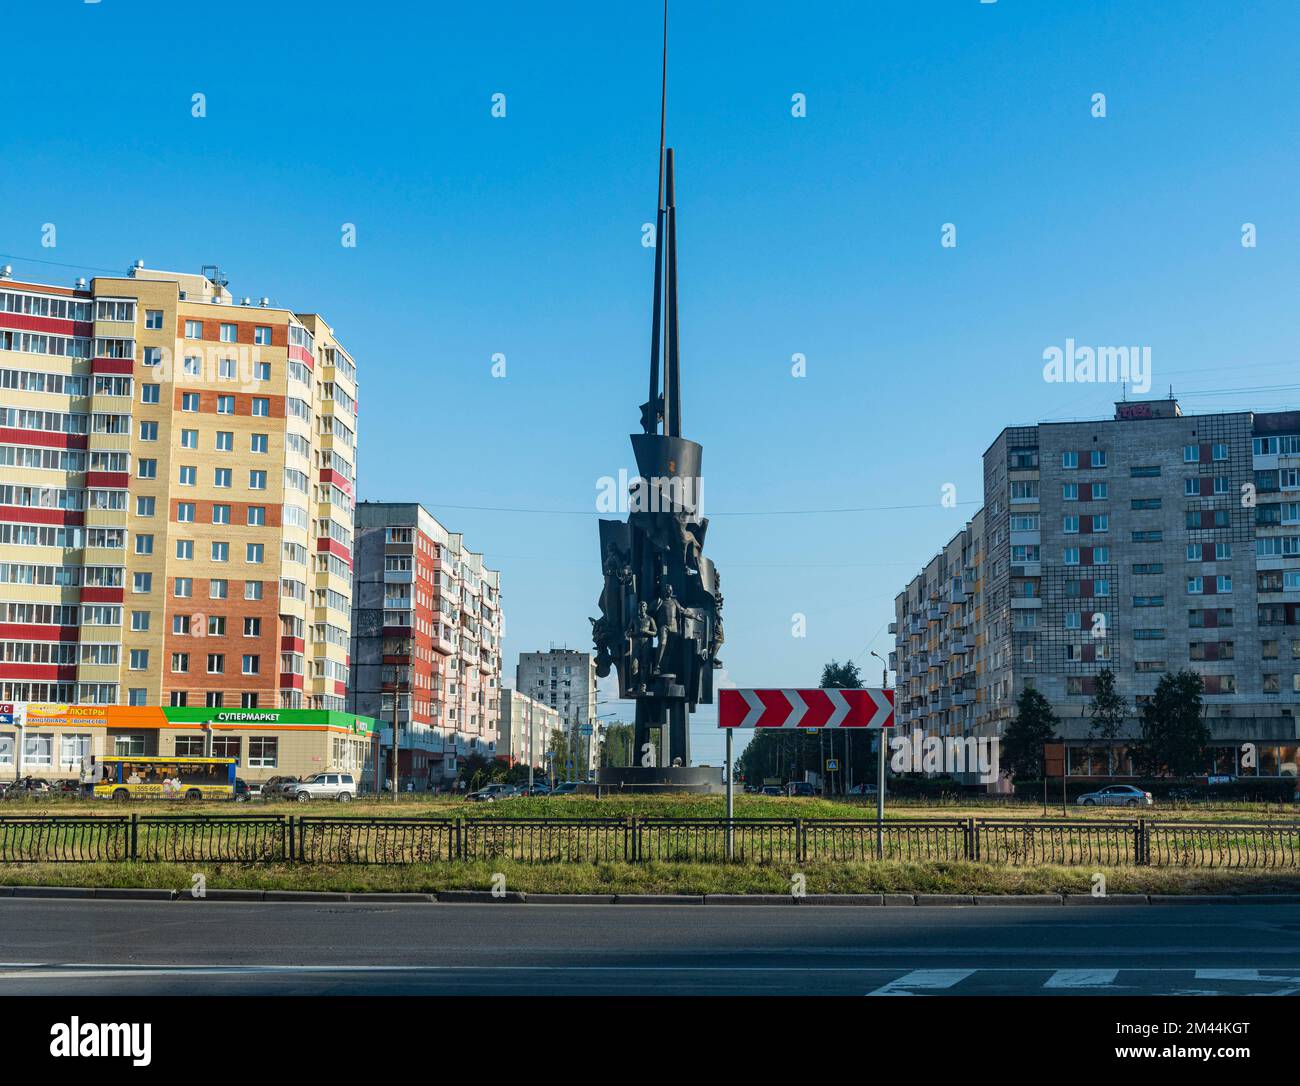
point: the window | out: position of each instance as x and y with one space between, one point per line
226 369
193 329
261 406
220 552
188 475
257 480
1195 585
153 319
150 393
263 752
38 748
257 515
189 401
1069 492
1098 459
144 507
139 660
185 512
219 589
141 583
1070 525
220 514
184 587
262 335
262 371
137 695
1191 454
252 590
252 627
1223 583
216 663
229 333
180 663
1222 552
184 549
139 621
221 478
254 552
1069 460
252 664
146 468
258 443
148 431
1218 452
225 441
151 356
143 544
189 439
225 405
1070 556
1150 471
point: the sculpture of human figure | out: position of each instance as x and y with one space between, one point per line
668 617
641 631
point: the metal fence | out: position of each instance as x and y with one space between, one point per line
316 840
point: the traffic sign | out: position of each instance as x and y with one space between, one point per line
869 707
832 765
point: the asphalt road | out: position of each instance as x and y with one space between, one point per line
50 947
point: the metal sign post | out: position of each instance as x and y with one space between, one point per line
731 799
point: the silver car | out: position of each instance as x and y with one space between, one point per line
337 786
1117 795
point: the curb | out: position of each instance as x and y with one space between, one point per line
1019 899
1109 899
516 897
569 899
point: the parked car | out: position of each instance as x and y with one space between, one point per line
537 789
27 788
565 788
1117 795
278 787
67 788
242 792
337 786
772 790
490 792
800 788
862 790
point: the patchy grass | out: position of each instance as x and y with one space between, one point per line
657 878
747 806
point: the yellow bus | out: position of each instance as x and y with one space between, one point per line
130 776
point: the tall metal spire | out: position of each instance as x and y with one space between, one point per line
653 410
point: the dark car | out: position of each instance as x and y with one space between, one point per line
277 787
771 790
27 788
800 788
565 788
242 794
67 788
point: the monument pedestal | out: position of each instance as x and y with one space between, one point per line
657 780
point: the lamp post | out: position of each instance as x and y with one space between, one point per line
399 684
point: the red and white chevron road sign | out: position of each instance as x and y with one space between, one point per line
870 707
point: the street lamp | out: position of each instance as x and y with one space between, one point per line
880 767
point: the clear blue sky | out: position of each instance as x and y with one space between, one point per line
818 235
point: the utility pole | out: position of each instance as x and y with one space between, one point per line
880 769
397 691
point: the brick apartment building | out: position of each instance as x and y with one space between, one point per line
1146 543
426 631
176 506
565 679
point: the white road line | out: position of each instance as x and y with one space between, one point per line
1082 978
926 979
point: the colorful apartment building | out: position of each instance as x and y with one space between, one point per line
53 741
176 508
426 642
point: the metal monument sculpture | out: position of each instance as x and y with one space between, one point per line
660 624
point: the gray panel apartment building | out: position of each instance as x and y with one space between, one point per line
1145 543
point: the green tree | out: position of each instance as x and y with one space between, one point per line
1107 708
1174 734
558 748
1022 743
616 745
478 769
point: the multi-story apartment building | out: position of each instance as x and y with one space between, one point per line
565 679
176 510
526 725
1146 543
426 641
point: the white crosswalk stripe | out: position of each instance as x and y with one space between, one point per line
1082 978
925 980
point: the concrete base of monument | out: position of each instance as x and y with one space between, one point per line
652 780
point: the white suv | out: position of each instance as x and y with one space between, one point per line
339 786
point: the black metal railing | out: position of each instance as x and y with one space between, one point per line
415 840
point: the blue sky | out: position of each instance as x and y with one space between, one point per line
818 235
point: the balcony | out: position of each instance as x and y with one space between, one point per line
963 697
893 627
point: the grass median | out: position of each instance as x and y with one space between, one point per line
657 878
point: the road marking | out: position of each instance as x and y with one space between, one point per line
1082 978
927 979
1252 976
